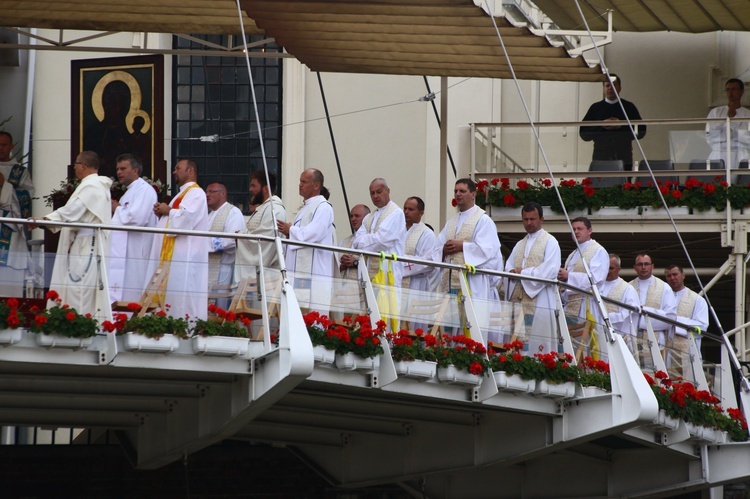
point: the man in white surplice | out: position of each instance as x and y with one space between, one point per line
536 255
185 256
261 222
222 217
623 320
470 237
382 230
349 263
654 296
80 261
692 308
312 268
577 305
129 251
420 243
16 192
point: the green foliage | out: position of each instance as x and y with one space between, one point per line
412 346
681 400
695 194
63 320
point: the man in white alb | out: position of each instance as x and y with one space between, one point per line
692 308
80 262
130 251
716 133
312 268
536 255
623 321
222 217
577 305
420 242
382 230
186 256
261 222
349 263
654 296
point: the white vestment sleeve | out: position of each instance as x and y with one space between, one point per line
425 248
547 270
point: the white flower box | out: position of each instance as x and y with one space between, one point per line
138 343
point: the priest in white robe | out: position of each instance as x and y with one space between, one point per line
80 264
623 320
536 255
654 296
130 251
268 207
382 230
186 257
471 238
16 192
311 268
222 217
420 243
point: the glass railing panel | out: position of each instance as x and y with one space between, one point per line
430 311
688 145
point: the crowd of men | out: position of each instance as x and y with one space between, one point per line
184 267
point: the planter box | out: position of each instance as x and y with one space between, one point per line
418 369
220 346
458 376
10 336
555 390
514 382
708 435
593 391
613 211
322 355
138 343
664 422
648 211
58 341
352 362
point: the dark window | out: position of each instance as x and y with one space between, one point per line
212 95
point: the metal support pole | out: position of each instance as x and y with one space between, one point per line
443 150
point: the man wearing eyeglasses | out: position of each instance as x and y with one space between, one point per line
655 296
222 217
716 133
78 272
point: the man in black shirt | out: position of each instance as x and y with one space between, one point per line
612 142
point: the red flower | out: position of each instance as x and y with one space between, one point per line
589 191
246 321
71 316
677 194
523 185
586 181
627 186
134 307
13 321
495 181
664 190
454 203
638 185
65 306
547 182
709 188
12 303
476 368
40 320
108 326
52 295
509 200
505 183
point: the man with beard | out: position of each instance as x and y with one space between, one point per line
251 253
